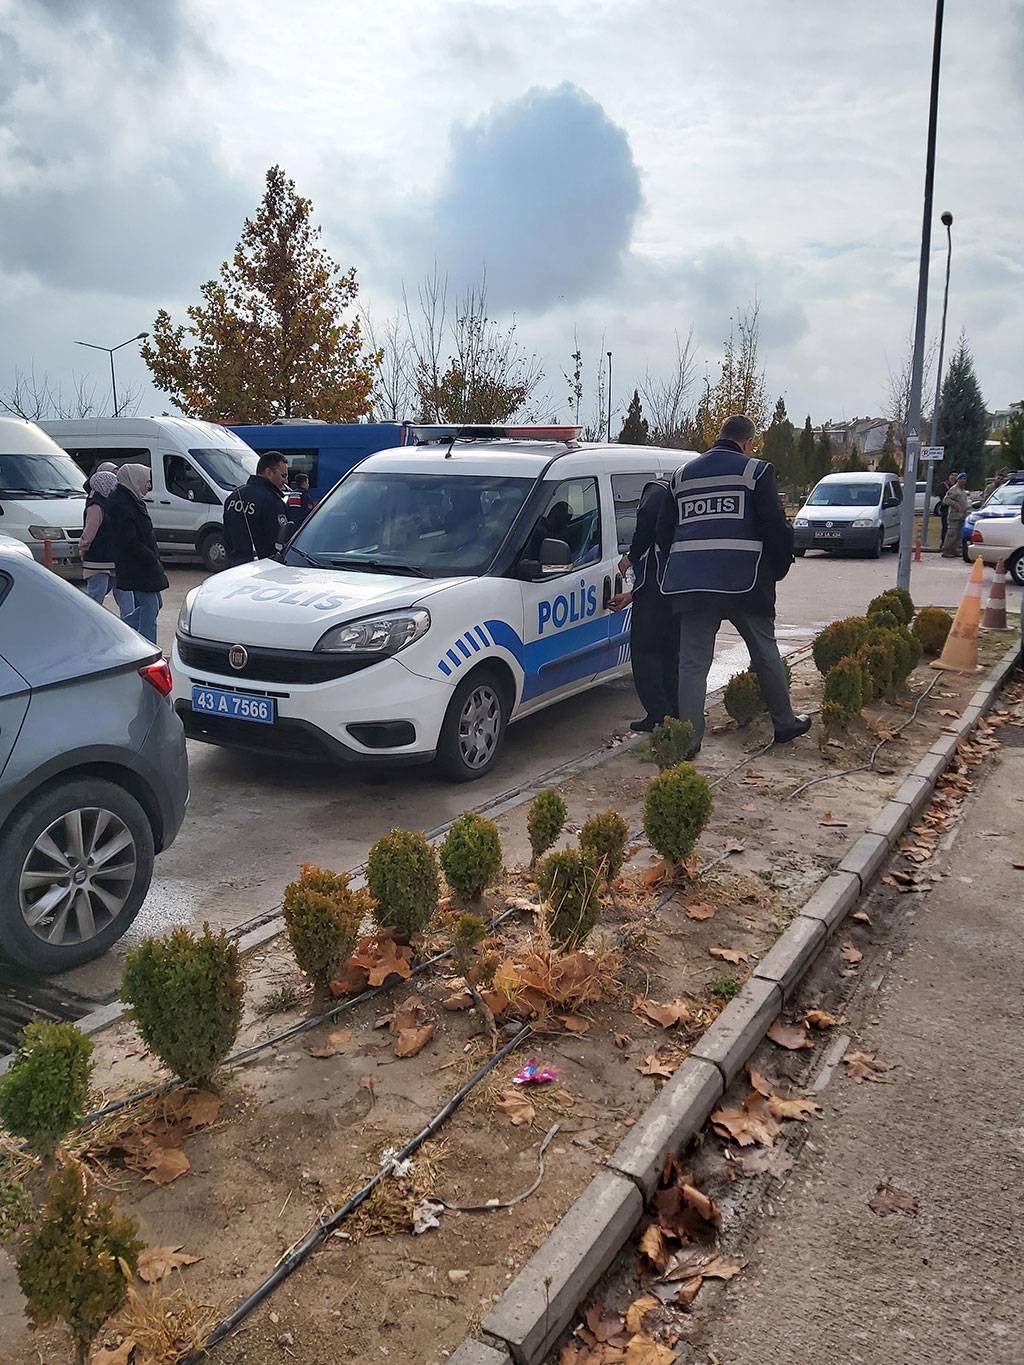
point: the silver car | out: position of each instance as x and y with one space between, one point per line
93 773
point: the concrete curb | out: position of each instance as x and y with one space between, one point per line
543 1298
473 1352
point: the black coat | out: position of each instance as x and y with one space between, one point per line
255 521
137 564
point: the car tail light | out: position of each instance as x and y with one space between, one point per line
977 538
158 675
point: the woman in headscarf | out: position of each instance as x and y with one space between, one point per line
136 560
96 546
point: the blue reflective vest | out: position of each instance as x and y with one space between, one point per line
717 545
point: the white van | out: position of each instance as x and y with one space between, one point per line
851 512
42 492
437 593
195 466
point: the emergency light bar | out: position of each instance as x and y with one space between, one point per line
422 433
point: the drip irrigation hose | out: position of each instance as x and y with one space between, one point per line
319 1234
303 1026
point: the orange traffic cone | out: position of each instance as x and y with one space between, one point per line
995 607
960 652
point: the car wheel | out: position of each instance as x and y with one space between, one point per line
75 865
213 552
799 553
1015 568
474 727
876 550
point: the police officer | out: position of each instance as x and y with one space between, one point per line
730 544
255 516
653 627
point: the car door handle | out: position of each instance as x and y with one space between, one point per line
606 596
618 584
165 502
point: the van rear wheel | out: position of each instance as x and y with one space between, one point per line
473 733
213 552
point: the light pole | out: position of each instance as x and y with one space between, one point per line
947 223
913 442
110 352
609 397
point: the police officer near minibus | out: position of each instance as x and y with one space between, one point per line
653 626
728 544
256 521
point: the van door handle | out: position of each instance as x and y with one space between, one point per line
618 584
165 502
607 597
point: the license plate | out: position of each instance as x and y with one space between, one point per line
827 535
214 701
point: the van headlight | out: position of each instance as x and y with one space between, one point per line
47 533
801 523
865 521
185 612
376 634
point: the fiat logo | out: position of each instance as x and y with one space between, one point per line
238 656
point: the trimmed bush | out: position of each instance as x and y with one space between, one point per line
743 699
79 1261
839 641
322 917
545 821
401 873
45 1092
672 742
896 600
471 856
883 619
603 840
185 993
844 694
568 881
676 809
931 626
878 663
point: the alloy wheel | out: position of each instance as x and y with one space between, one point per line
77 876
480 726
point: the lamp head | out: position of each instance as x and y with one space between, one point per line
947 219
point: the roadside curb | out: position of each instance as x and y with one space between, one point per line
540 1303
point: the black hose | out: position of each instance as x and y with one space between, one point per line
319 1234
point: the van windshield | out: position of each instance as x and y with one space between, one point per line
437 525
228 467
846 495
40 476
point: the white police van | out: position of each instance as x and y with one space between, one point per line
440 591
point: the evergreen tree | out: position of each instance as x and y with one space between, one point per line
887 460
805 458
963 423
1011 439
634 428
780 446
854 462
822 456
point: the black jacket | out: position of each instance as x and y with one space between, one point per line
655 502
255 521
136 560
101 551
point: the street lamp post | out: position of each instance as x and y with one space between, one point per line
609 397
110 352
913 441
947 223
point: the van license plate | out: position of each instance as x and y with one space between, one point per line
827 535
214 701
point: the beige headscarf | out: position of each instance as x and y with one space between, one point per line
136 478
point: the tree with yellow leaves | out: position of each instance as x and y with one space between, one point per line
740 387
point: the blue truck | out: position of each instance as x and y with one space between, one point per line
324 450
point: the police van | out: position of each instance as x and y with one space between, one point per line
442 590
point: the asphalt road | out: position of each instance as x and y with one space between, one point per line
253 820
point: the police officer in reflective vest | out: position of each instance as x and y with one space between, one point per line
729 545
256 521
653 626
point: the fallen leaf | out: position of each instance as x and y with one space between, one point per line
322 1052
657 1066
460 1001
723 1268
888 1199
796 1108
734 955
791 1036
751 1122
366 1083
686 1264
861 916
828 821
638 1310
192 1109
702 1205
165 1164
157 1262
517 1106
688 1291
117 1355
602 1323
1019 866
506 976
760 1082
701 911
675 1012
621 1040
766 1161
654 1247
409 1041
645 1351
661 871
382 957
574 1023
864 1066
338 1037
850 953
953 715
820 1019
352 981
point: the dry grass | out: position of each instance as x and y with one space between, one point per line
391 1206
166 1327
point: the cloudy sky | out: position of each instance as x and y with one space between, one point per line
626 167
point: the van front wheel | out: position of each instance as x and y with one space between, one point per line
213 552
473 732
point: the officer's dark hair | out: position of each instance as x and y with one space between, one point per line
737 428
268 459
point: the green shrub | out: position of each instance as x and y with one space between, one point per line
603 840
185 993
17 1209
878 663
545 821
672 742
676 809
883 619
839 641
742 698
906 650
725 987
79 1261
401 873
45 1092
568 881
322 917
895 600
471 855
844 694
931 626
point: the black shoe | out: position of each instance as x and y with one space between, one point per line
799 727
645 726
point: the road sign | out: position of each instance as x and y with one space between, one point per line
932 452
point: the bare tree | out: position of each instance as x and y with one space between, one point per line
36 398
665 397
896 401
575 379
394 392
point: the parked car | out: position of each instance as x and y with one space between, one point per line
194 465
920 491
996 531
93 773
42 492
850 512
17 547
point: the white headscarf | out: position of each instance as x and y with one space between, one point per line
136 478
103 482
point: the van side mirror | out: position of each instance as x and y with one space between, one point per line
554 556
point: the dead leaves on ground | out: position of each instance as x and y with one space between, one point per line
733 955
155 1263
153 1147
790 1036
820 1019
849 952
519 1108
667 1015
888 1199
864 1066
700 911
376 959
758 1120
411 1027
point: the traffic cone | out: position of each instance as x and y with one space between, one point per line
995 607
960 652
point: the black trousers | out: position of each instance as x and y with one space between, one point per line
654 650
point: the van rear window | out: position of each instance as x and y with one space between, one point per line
89 458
